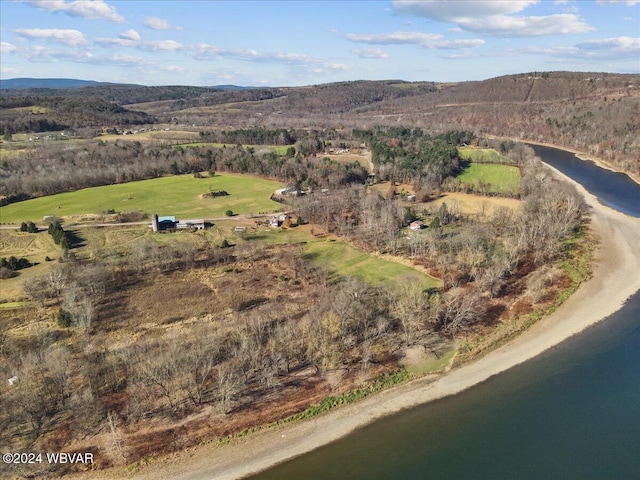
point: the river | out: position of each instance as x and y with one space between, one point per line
571 413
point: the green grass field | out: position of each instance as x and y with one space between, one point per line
176 195
344 260
503 179
341 259
481 155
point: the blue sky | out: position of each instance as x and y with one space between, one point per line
297 42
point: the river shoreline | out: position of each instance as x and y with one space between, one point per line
615 278
585 157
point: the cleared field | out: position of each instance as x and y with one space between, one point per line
341 259
279 149
177 195
10 154
173 136
349 158
21 244
344 260
482 155
473 204
33 246
497 178
33 109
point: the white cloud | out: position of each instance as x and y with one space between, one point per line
506 26
130 35
604 49
628 44
395 38
131 39
494 18
305 62
202 51
628 3
460 56
161 46
156 23
427 40
171 68
6 47
73 38
40 54
87 9
369 53
123 61
9 71
116 42
456 44
448 11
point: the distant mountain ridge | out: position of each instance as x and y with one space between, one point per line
24 83
65 83
593 112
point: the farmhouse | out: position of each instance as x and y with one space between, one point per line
417 225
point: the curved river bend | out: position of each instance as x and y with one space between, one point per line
570 413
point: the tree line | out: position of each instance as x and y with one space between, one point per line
62 168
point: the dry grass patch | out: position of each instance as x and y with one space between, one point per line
474 204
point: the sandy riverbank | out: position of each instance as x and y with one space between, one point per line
615 279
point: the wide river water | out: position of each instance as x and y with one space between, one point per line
570 413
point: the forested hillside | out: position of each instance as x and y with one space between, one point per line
595 113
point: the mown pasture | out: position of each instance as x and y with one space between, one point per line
481 155
494 178
341 259
175 195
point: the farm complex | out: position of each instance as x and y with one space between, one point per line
174 276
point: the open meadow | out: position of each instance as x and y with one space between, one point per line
494 178
482 155
176 195
36 247
342 259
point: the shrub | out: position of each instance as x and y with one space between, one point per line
130 216
13 263
6 273
229 213
64 319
